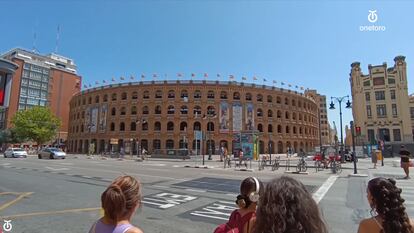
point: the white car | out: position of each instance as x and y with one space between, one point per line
51 153
15 153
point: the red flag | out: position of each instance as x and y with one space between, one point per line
113 79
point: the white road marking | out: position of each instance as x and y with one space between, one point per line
5 164
176 166
196 190
160 186
57 169
318 195
66 164
154 164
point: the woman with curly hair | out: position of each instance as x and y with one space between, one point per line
287 207
388 211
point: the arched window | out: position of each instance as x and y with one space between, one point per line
122 126
197 110
145 110
286 101
197 94
158 94
83 101
211 110
124 96
300 130
184 110
133 126
82 128
270 128
293 103
287 129
259 112
210 126
279 114
133 110
170 126
278 100
89 100
144 126
114 97
183 126
299 104
269 113
269 99
279 129
97 99
287 115
236 96
184 94
259 98
300 116
223 95
145 95
171 94
169 144
305 117
113 111
105 98
260 127
248 96
171 110
157 126
134 95
197 126
112 126
156 144
123 111
294 116
210 95
294 129
157 109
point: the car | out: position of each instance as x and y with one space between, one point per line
15 153
51 153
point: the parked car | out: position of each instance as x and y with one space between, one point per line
51 153
15 153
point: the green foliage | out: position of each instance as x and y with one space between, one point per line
37 124
10 136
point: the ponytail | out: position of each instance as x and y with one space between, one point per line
113 202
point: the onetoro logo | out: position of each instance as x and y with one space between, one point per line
372 18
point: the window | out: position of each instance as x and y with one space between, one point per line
269 99
157 109
380 95
122 126
134 95
171 94
197 110
89 100
144 126
260 127
114 97
287 129
294 130
279 114
394 110
259 98
392 93
371 136
145 110
210 95
381 110
170 126
133 110
278 100
378 81
412 112
287 115
211 110
124 96
367 96
294 116
105 98
156 144
369 113
367 83
133 126
157 126
286 101
197 94
293 103
397 135
145 95
210 126
197 126
123 111
113 111
97 99
248 96
223 95
158 94
112 126
171 110
184 94
169 144
279 129
236 96
184 110
391 81
270 128
183 126
259 112
269 113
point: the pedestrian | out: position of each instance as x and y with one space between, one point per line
387 209
405 161
374 158
243 219
287 206
119 201
221 153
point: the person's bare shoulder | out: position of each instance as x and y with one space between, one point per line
134 230
364 225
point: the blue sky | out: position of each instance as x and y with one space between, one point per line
305 43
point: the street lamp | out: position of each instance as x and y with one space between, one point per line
332 106
209 116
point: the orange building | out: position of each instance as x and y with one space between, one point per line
42 80
163 115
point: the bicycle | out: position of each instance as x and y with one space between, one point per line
276 163
302 166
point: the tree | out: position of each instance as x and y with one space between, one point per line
38 124
10 136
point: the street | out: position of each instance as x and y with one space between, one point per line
64 195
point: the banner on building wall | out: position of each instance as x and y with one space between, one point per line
224 117
102 117
94 119
237 117
87 118
2 88
249 117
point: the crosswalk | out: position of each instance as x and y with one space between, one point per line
407 193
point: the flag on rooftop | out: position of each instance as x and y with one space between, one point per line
193 75
85 86
296 86
90 85
132 77
122 78
96 82
231 77
113 79
104 81
289 85
301 88
254 78
154 75
142 76
205 75
218 76
180 75
244 78
264 80
282 83
274 82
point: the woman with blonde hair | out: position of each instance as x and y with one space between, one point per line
119 201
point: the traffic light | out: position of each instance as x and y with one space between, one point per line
358 131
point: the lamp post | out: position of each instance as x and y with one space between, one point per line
332 106
209 116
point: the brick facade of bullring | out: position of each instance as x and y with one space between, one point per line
161 115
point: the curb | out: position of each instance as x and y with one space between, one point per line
198 166
295 172
358 175
244 169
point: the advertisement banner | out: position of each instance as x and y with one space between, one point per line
249 117
224 117
247 145
102 117
237 117
87 118
94 119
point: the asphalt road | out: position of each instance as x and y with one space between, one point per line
64 195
